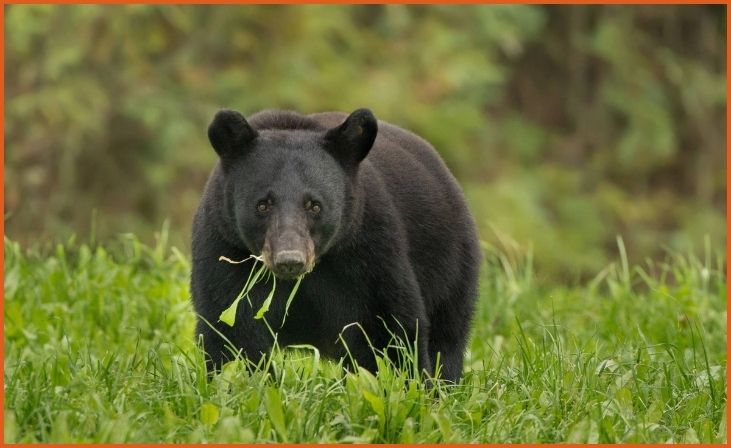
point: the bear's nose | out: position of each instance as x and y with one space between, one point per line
289 263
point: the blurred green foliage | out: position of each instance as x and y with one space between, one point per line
566 125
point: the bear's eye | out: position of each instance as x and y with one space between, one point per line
263 206
313 207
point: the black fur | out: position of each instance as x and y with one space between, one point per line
393 243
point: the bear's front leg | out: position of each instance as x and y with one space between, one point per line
395 321
394 301
410 325
402 314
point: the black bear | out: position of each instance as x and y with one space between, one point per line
368 211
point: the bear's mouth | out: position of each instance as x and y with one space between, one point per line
289 273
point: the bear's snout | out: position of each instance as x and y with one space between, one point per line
288 253
289 263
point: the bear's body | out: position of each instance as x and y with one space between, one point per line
370 208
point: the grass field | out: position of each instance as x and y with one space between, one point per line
99 348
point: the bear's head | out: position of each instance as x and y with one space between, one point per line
289 191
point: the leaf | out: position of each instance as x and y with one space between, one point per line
407 431
275 411
690 436
545 400
250 283
10 427
367 380
624 401
654 412
706 431
376 403
291 296
444 425
209 414
267 302
579 433
721 434
228 315
585 431
608 365
593 437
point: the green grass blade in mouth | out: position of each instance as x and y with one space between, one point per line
228 315
291 296
268 301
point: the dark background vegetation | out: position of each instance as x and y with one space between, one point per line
566 125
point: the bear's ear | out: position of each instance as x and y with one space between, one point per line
229 133
350 142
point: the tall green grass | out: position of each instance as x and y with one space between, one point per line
99 347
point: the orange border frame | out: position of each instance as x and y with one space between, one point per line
728 205
366 2
2 222
213 2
